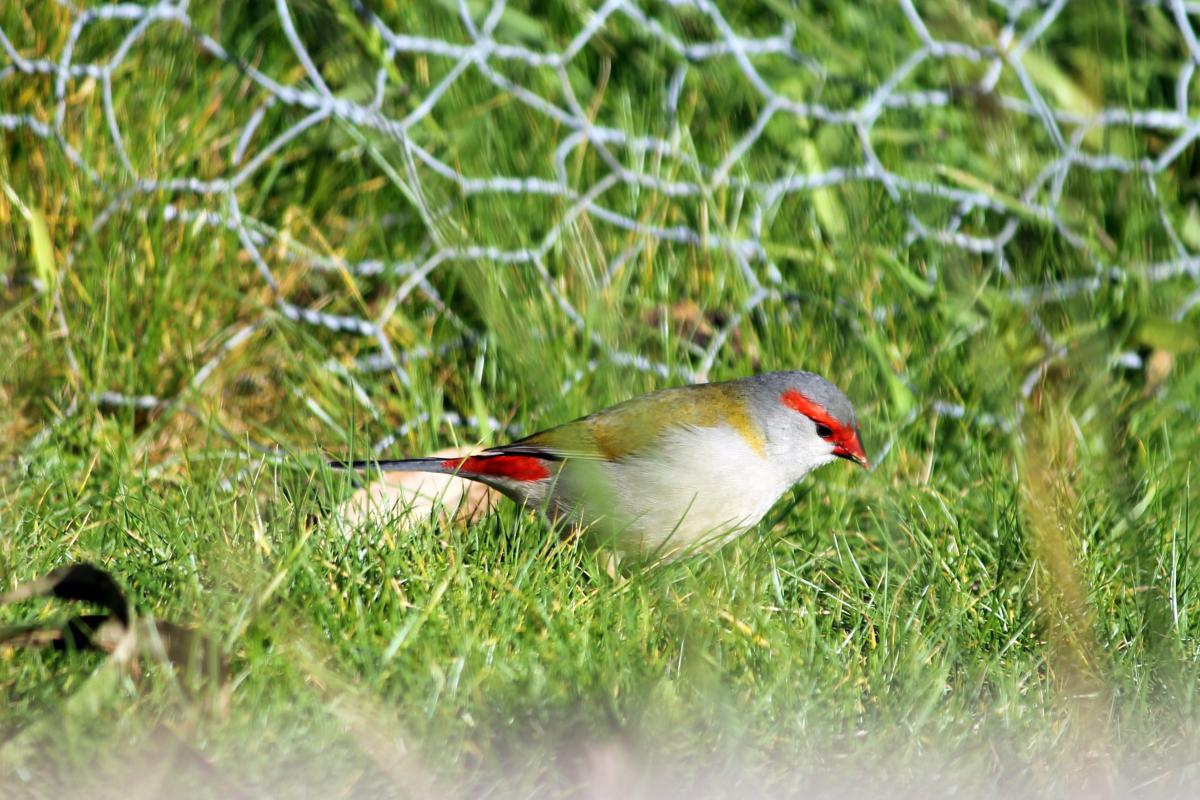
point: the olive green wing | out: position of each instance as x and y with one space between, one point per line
628 428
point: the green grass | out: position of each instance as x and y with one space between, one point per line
1010 610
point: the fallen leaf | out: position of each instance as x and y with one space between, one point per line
119 631
1158 369
696 326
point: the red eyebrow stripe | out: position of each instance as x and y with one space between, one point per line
814 411
518 468
848 445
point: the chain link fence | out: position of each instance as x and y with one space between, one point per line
652 181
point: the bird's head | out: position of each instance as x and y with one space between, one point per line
807 421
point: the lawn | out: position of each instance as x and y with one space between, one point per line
241 238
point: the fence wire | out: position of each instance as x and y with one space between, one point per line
982 221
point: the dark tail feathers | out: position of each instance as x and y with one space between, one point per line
397 465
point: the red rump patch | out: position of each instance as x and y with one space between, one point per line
518 468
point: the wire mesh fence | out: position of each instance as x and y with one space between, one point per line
810 124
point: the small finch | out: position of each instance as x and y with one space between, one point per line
673 470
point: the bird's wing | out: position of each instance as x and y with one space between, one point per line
627 429
571 440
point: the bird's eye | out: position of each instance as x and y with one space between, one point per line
824 431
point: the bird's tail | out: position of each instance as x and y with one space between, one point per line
442 465
493 467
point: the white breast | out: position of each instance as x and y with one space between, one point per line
698 486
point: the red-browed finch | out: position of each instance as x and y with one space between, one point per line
673 469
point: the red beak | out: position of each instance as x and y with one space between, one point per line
851 448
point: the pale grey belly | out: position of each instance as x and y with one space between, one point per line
657 513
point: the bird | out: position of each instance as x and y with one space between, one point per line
677 470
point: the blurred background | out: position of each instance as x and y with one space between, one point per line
240 236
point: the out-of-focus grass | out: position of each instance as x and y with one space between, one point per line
993 603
